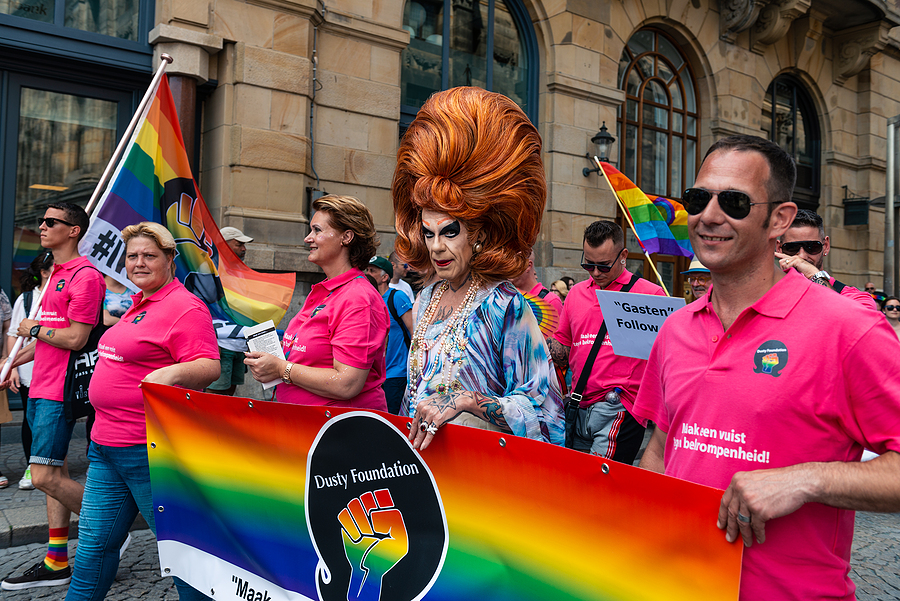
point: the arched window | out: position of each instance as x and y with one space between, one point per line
658 127
484 43
795 128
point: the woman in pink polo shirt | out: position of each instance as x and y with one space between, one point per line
335 345
166 336
469 192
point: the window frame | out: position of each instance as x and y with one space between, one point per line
529 47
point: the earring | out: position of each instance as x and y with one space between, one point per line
477 248
623 261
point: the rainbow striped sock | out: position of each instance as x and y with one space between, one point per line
58 549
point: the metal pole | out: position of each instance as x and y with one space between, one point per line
889 243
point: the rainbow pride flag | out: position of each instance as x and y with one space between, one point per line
661 223
154 182
26 246
346 510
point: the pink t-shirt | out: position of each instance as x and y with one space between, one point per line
802 375
343 318
171 326
864 298
68 299
578 327
551 298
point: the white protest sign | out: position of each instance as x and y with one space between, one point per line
633 320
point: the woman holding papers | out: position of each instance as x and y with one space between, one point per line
335 346
167 337
469 193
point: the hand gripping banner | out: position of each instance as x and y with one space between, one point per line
266 501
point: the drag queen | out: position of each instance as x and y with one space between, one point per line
469 193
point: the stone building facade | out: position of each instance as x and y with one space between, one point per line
283 99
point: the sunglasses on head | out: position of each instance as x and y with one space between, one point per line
590 267
812 247
735 204
892 307
51 221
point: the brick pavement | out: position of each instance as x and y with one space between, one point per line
23 532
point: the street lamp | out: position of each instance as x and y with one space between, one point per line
604 141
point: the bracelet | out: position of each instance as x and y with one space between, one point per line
286 376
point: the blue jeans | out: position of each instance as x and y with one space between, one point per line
117 487
51 431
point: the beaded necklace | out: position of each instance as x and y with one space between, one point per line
451 342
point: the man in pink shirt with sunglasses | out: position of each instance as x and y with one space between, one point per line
603 426
770 387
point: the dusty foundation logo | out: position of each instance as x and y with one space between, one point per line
374 513
770 358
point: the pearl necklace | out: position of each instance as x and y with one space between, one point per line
451 342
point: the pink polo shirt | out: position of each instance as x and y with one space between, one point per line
578 327
551 298
802 375
68 299
864 298
343 318
171 326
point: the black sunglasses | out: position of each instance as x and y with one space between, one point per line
590 267
812 247
892 307
735 204
52 221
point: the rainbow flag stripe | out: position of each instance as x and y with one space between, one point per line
661 223
154 182
233 486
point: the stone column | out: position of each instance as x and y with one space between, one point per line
190 51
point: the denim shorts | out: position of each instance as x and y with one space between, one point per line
50 431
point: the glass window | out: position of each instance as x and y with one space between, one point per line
116 18
484 43
64 143
789 119
660 116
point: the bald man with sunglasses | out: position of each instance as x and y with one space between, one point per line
804 247
770 387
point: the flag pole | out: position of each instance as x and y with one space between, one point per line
634 231
165 59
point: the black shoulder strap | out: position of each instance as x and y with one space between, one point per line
393 310
27 298
595 348
102 300
543 293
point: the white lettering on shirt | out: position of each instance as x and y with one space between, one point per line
695 437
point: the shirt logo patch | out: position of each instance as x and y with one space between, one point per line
770 358
139 317
60 284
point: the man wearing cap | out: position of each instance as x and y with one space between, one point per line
698 278
804 247
400 271
399 334
229 335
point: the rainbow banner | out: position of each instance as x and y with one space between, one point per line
271 501
153 182
661 223
26 247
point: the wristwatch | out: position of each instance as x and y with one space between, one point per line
821 274
286 376
35 331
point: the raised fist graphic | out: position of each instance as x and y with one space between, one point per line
375 540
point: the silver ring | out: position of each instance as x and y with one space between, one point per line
743 518
432 429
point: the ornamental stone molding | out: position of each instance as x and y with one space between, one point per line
736 16
775 20
855 46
